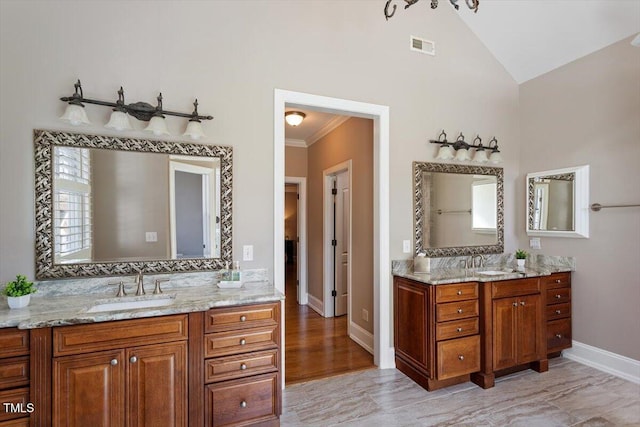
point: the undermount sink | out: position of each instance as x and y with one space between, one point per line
493 272
131 305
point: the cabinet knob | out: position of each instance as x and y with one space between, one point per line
243 341
133 359
243 367
522 303
243 318
243 404
114 362
558 280
460 310
558 336
460 357
459 292
459 329
558 311
515 304
558 296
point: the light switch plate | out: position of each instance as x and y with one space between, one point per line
151 236
406 246
247 253
534 243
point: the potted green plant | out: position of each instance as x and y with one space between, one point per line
19 292
521 257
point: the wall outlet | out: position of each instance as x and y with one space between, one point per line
151 236
247 253
534 243
406 246
365 315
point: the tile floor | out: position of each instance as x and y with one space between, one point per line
569 394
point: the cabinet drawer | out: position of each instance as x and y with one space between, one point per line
243 341
558 335
456 292
14 372
21 422
458 357
560 295
512 288
88 338
232 367
249 316
242 402
557 280
19 398
456 310
457 328
558 311
14 342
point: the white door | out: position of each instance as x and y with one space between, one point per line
342 235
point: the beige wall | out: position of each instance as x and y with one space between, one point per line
588 112
130 194
353 140
295 161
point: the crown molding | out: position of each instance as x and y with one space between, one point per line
331 125
301 143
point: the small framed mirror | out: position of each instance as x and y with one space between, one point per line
558 202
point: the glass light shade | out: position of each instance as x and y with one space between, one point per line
157 126
294 118
495 157
119 121
445 152
76 115
194 130
480 156
462 154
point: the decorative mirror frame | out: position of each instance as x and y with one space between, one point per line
580 201
418 209
45 140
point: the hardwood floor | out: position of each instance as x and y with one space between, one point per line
317 347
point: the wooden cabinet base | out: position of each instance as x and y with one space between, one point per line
426 382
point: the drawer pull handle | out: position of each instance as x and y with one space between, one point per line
459 329
461 357
521 302
558 296
459 292
243 318
558 280
243 404
243 341
558 311
515 304
558 336
460 310
243 367
114 362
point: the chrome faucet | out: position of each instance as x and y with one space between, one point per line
140 283
475 261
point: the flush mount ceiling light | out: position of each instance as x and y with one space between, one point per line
76 115
471 4
463 149
294 118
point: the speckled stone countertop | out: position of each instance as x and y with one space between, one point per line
51 306
446 272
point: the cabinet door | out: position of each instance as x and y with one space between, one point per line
411 323
157 385
88 390
504 333
528 328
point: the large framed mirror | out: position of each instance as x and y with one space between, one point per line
558 202
458 209
107 205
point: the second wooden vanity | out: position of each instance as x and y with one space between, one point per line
451 333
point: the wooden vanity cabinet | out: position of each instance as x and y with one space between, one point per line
14 377
557 289
121 373
242 366
436 332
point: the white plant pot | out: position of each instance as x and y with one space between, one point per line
19 302
520 263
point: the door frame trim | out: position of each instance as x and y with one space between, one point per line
301 258
382 297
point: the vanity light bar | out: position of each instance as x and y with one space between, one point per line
462 148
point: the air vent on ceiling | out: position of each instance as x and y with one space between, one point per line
422 45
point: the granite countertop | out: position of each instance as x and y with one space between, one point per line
459 275
47 310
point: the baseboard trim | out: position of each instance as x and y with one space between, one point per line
360 335
603 360
316 305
